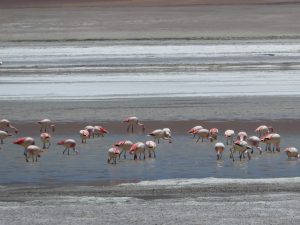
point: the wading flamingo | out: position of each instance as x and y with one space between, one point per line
138 148
33 151
214 133
100 131
45 138
25 142
112 155
90 129
263 130
242 136
219 148
241 147
68 143
4 135
254 141
203 134
292 152
229 135
164 134
270 139
194 130
131 121
151 147
84 134
124 146
46 124
4 123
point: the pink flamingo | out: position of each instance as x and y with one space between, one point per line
32 151
194 130
90 129
164 134
4 123
203 134
46 124
100 131
133 120
292 152
4 135
242 136
138 148
151 147
229 134
214 133
45 138
113 153
254 141
241 147
270 139
263 130
124 146
68 143
219 148
84 134
25 142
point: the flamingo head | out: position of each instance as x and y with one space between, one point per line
103 130
118 144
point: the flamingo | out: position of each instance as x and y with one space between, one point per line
270 139
242 136
84 134
100 131
203 133
25 142
4 123
240 146
151 147
90 129
214 133
263 130
45 138
253 141
292 152
219 148
164 134
132 120
229 134
46 124
194 130
4 135
113 153
68 143
33 151
138 148
124 146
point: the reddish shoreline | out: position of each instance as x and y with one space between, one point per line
177 127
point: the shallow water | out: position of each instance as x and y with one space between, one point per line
182 159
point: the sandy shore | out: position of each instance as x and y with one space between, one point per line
155 109
119 20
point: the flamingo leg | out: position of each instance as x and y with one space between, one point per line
132 128
1 141
49 144
154 155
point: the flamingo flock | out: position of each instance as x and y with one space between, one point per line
239 144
